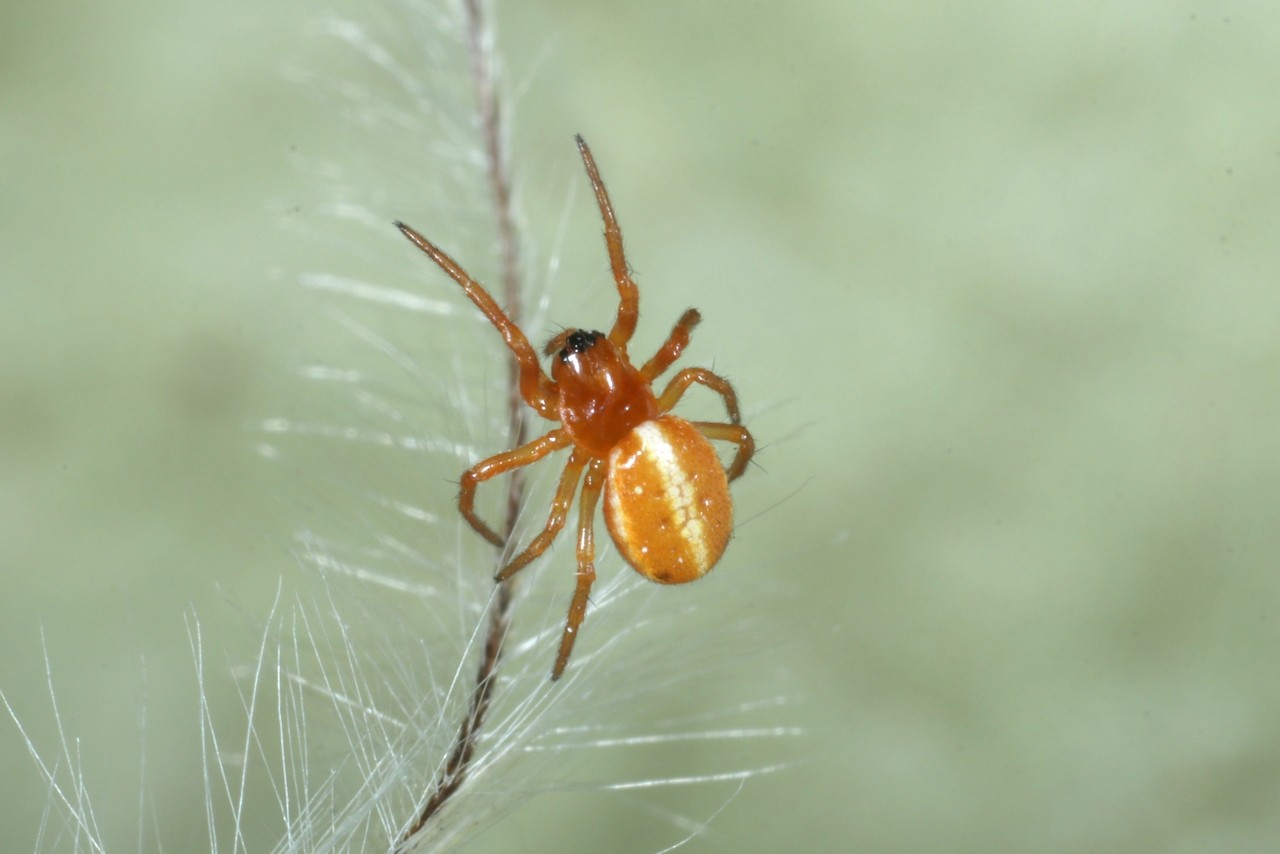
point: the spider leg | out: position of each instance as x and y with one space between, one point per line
629 294
680 384
586 563
673 346
555 521
489 468
730 433
536 387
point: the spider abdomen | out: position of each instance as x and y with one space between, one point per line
667 502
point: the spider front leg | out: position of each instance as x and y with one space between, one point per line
536 387
586 563
555 521
680 384
490 468
731 433
673 346
628 293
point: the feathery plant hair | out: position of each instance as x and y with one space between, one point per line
393 697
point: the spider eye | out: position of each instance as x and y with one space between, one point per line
579 340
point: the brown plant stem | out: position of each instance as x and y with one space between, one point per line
458 765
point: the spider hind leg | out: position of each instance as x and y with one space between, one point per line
591 488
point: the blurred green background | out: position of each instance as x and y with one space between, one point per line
999 285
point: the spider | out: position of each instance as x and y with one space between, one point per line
666 492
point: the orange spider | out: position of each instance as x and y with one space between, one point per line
666 493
